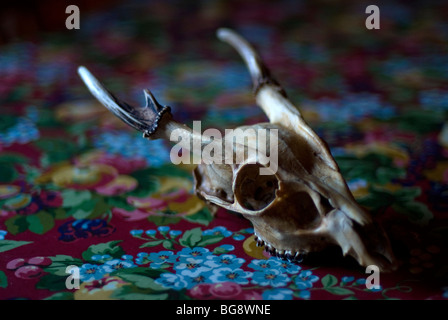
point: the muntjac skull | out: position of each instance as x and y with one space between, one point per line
298 205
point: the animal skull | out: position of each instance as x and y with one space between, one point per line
303 207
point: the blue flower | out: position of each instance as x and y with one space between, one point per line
136 232
198 279
347 279
228 274
270 277
277 294
3 233
375 288
361 281
162 257
151 232
271 263
89 272
142 258
117 264
175 233
191 267
304 294
163 229
305 280
227 247
173 281
101 258
238 237
218 231
289 267
225 260
197 252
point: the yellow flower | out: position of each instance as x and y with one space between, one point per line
439 173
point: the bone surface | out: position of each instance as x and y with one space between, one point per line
301 207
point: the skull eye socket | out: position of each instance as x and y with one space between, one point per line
252 190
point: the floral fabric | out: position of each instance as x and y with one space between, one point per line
81 193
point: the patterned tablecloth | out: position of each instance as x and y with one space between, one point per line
79 188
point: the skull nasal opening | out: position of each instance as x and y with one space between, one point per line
252 190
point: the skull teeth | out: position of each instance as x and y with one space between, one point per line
293 256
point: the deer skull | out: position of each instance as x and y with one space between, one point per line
301 207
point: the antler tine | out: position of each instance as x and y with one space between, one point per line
259 73
145 119
154 120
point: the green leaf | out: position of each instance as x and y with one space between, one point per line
203 217
7 173
132 293
142 282
40 222
6 245
150 244
417 212
329 281
191 238
73 198
164 220
119 202
61 296
56 149
110 248
52 282
339 291
147 183
207 240
3 280
90 209
167 244
60 263
17 224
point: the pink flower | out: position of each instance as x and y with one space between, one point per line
222 290
179 201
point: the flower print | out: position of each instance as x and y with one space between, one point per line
101 257
218 231
89 272
222 290
121 184
172 281
305 280
100 289
289 267
83 229
347 279
196 252
197 279
122 165
191 267
261 265
117 264
225 260
162 257
26 201
3 233
230 275
79 177
142 258
180 201
270 277
277 294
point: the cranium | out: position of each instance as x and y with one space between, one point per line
301 207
